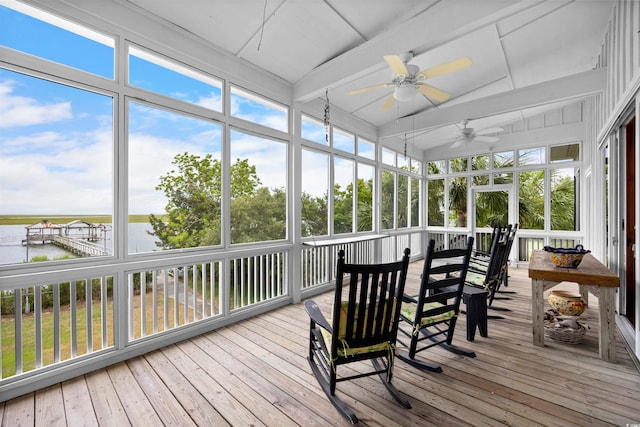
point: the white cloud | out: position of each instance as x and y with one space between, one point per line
75 179
18 110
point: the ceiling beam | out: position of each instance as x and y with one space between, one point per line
435 26
564 88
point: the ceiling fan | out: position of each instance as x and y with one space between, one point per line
467 135
408 80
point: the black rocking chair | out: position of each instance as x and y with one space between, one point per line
430 318
364 326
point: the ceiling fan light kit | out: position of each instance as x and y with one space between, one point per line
405 92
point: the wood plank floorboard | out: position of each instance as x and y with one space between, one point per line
255 373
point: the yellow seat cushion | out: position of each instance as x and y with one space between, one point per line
408 310
343 349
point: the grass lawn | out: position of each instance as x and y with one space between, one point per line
28 331
63 219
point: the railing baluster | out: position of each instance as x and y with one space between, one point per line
165 297
18 329
56 323
74 318
89 312
37 309
185 294
203 290
103 305
195 292
131 312
143 302
154 299
176 306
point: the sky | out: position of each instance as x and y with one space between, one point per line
57 151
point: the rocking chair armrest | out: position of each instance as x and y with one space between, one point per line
316 315
409 298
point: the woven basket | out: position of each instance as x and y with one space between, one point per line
565 335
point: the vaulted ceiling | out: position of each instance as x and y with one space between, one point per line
527 56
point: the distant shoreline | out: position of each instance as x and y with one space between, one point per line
63 219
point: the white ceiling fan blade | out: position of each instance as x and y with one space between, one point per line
445 68
482 138
459 142
388 103
397 66
489 130
432 92
366 89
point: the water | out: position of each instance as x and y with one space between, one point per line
12 251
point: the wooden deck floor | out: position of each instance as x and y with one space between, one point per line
255 373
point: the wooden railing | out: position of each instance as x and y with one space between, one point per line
57 324
79 246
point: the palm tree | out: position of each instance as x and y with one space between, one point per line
458 200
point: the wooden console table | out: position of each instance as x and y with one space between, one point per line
592 276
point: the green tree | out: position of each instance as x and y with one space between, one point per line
458 200
531 200
194 200
492 208
387 199
315 215
259 218
365 205
343 209
563 203
435 202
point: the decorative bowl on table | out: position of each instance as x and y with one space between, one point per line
567 257
567 303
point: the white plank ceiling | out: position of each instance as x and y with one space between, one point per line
528 55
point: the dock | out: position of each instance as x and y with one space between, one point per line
78 237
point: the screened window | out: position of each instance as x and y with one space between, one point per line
388 199
258 188
503 160
315 193
366 149
458 202
403 162
564 153
313 130
175 182
563 199
41 34
436 167
161 75
435 202
531 198
500 178
480 180
343 140
56 164
479 163
256 109
366 175
388 157
460 164
531 156
415 202
416 166
343 195
403 201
